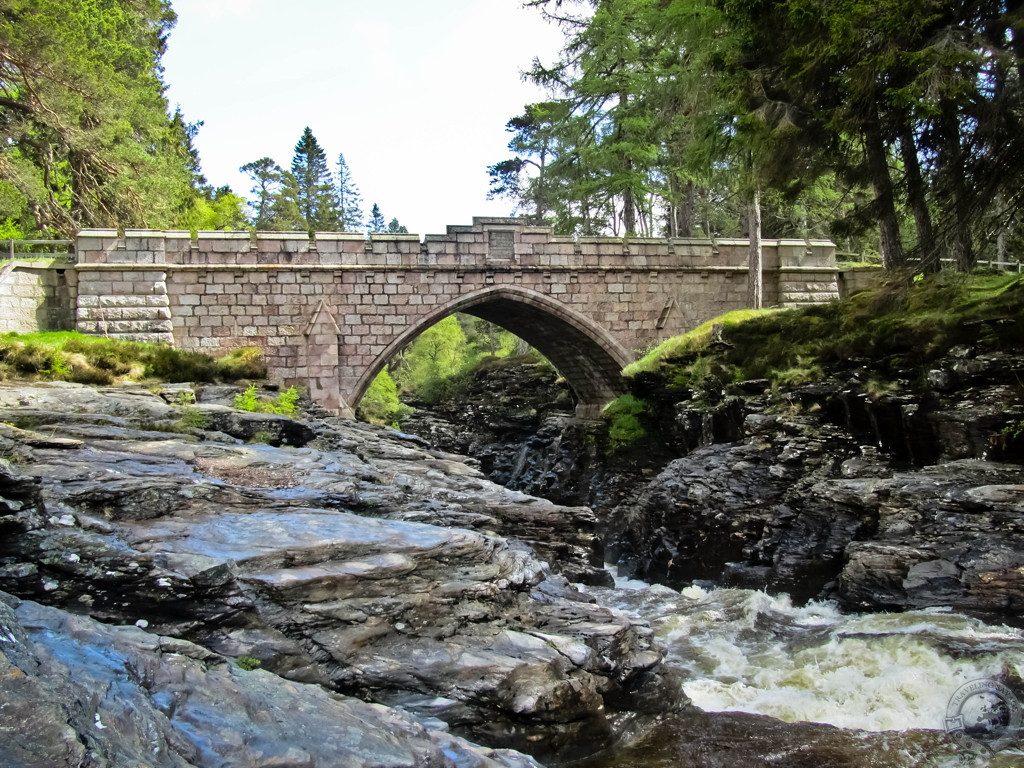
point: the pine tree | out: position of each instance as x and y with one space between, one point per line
285 215
85 133
350 202
376 223
267 180
314 184
394 228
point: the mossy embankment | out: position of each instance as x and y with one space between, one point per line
891 336
76 357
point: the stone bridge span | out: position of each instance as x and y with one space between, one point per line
330 310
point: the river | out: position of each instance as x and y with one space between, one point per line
779 684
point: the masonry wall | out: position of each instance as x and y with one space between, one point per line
291 295
857 279
37 296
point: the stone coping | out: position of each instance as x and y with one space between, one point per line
467 268
235 235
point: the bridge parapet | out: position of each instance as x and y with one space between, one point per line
492 244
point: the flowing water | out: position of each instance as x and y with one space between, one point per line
882 680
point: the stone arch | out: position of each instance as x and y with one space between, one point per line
586 355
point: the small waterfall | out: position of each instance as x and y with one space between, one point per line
707 428
517 468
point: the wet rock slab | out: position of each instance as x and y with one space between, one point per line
77 692
361 562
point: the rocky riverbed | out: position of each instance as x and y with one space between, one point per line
878 500
185 584
348 558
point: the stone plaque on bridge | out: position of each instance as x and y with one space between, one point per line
501 244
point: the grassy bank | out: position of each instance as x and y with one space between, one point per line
76 357
895 332
898 326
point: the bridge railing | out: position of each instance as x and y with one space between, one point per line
36 250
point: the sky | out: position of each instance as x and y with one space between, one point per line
415 94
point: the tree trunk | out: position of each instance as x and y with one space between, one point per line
885 200
755 255
687 211
628 205
919 203
682 208
539 199
957 206
628 193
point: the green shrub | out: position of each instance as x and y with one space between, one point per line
185 397
380 404
192 419
248 400
248 663
625 426
285 404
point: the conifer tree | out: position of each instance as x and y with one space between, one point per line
285 215
86 139
376 223
314 184
267 180
350 201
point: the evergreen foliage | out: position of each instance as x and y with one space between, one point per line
350 201
308 196
86 137
267 179
313 185
376 222
891 127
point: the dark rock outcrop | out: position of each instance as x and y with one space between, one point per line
884 496
884 501
951 535
738 513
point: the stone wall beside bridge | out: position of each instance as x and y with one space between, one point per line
330 310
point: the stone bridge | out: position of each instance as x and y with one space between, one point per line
330 310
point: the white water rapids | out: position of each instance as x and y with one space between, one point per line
747 651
